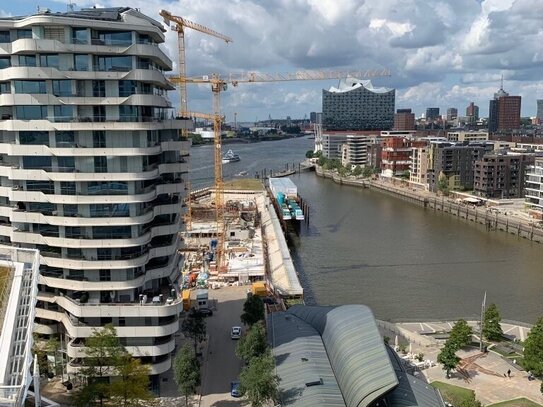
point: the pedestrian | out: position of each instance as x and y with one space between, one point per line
508 372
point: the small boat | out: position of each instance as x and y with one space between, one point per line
230 157
241 174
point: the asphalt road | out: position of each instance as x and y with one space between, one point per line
221 366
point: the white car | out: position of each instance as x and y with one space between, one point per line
235 333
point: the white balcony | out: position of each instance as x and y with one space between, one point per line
46 125
74 350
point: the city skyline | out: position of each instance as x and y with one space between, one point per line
444 54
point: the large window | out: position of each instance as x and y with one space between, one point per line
67 188
37 162
109 210
128 113
65 138
24 34
80 36
81 62
34 137
107 188
5 62
31 112
27 60
112 232
117 63
100 164
62 87
127 88
30 87
70 210
49 60
111 37
4 37
47 187
99 139
64 113
66 164
5 88
99 89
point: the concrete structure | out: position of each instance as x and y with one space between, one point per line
455 162
332 141
509 113
418 169
404 119
534 188
355 150
335 356
469 136
92 174
432 113
500 175
452 114
357 105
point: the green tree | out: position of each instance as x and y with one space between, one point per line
447 357
461 334
253 344
322 161
357 171
132 383
194 327
471 401
186 372
367 172
443 183
196 138
258 383
309 154
533 349
492 329
253 310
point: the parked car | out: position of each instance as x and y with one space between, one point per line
235 333
234 389
202 312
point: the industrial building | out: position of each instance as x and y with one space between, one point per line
93 175
356 105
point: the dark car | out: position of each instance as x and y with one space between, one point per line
269 300
234 389
202 312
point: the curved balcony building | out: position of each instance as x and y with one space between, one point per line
92 173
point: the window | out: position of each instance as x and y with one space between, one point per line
144 63
66 164
63 113
54 33
5 62
99 113
145 39
37 162
62 88
100 164
81 62
32 112
45 208
112 232
73 232
128 113
79 36
116 64
24 34
111 37
67 188
4 37
34 137
33 87
65 138
109 210
27 60
69 210
99 139
74 253
49 60
47 187
5 88
127 88
99 89
105 275
107 188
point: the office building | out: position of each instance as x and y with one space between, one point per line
539 113
452 114
509 113
404 119
313 117
432 113
469 136
93 175
472 113
356 105
501 175
534 188
493 110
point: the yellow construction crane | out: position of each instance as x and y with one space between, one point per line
219 83
180 24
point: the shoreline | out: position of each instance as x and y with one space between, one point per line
428 200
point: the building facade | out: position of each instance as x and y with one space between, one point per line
396 154
534 188
469 136
355 150
418 169
501 175
494 110
357 105
509 113
452 114
404 119
432 113
472 113
93 175
539 113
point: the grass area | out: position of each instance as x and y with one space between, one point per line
246 184
516 403
453 394
4 281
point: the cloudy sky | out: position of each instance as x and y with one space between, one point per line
442 53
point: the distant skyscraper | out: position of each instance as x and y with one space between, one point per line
539 114
432 113
357 105
509 113
313 117
493 110
472 111
404 119
452 113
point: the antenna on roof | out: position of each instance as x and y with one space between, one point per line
501 83
70 7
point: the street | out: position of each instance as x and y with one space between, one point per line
221 366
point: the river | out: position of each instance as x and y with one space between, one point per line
404 261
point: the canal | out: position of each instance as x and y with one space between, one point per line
405 262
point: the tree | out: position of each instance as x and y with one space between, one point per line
367 172
309 154
461 334
194 326
447 357
471 401
253 310
258 383
186 372
492 329
253 344
533 349
132 384
443 183
357 171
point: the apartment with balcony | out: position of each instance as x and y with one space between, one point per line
92 173
534 188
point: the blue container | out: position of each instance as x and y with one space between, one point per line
280 198
213 243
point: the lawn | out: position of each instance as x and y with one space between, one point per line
516 403
246 184
453 394
4 280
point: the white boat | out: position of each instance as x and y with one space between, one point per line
230 157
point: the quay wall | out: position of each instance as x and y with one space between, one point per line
492 221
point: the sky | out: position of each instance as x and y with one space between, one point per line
441 53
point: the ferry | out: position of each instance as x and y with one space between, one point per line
230 157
